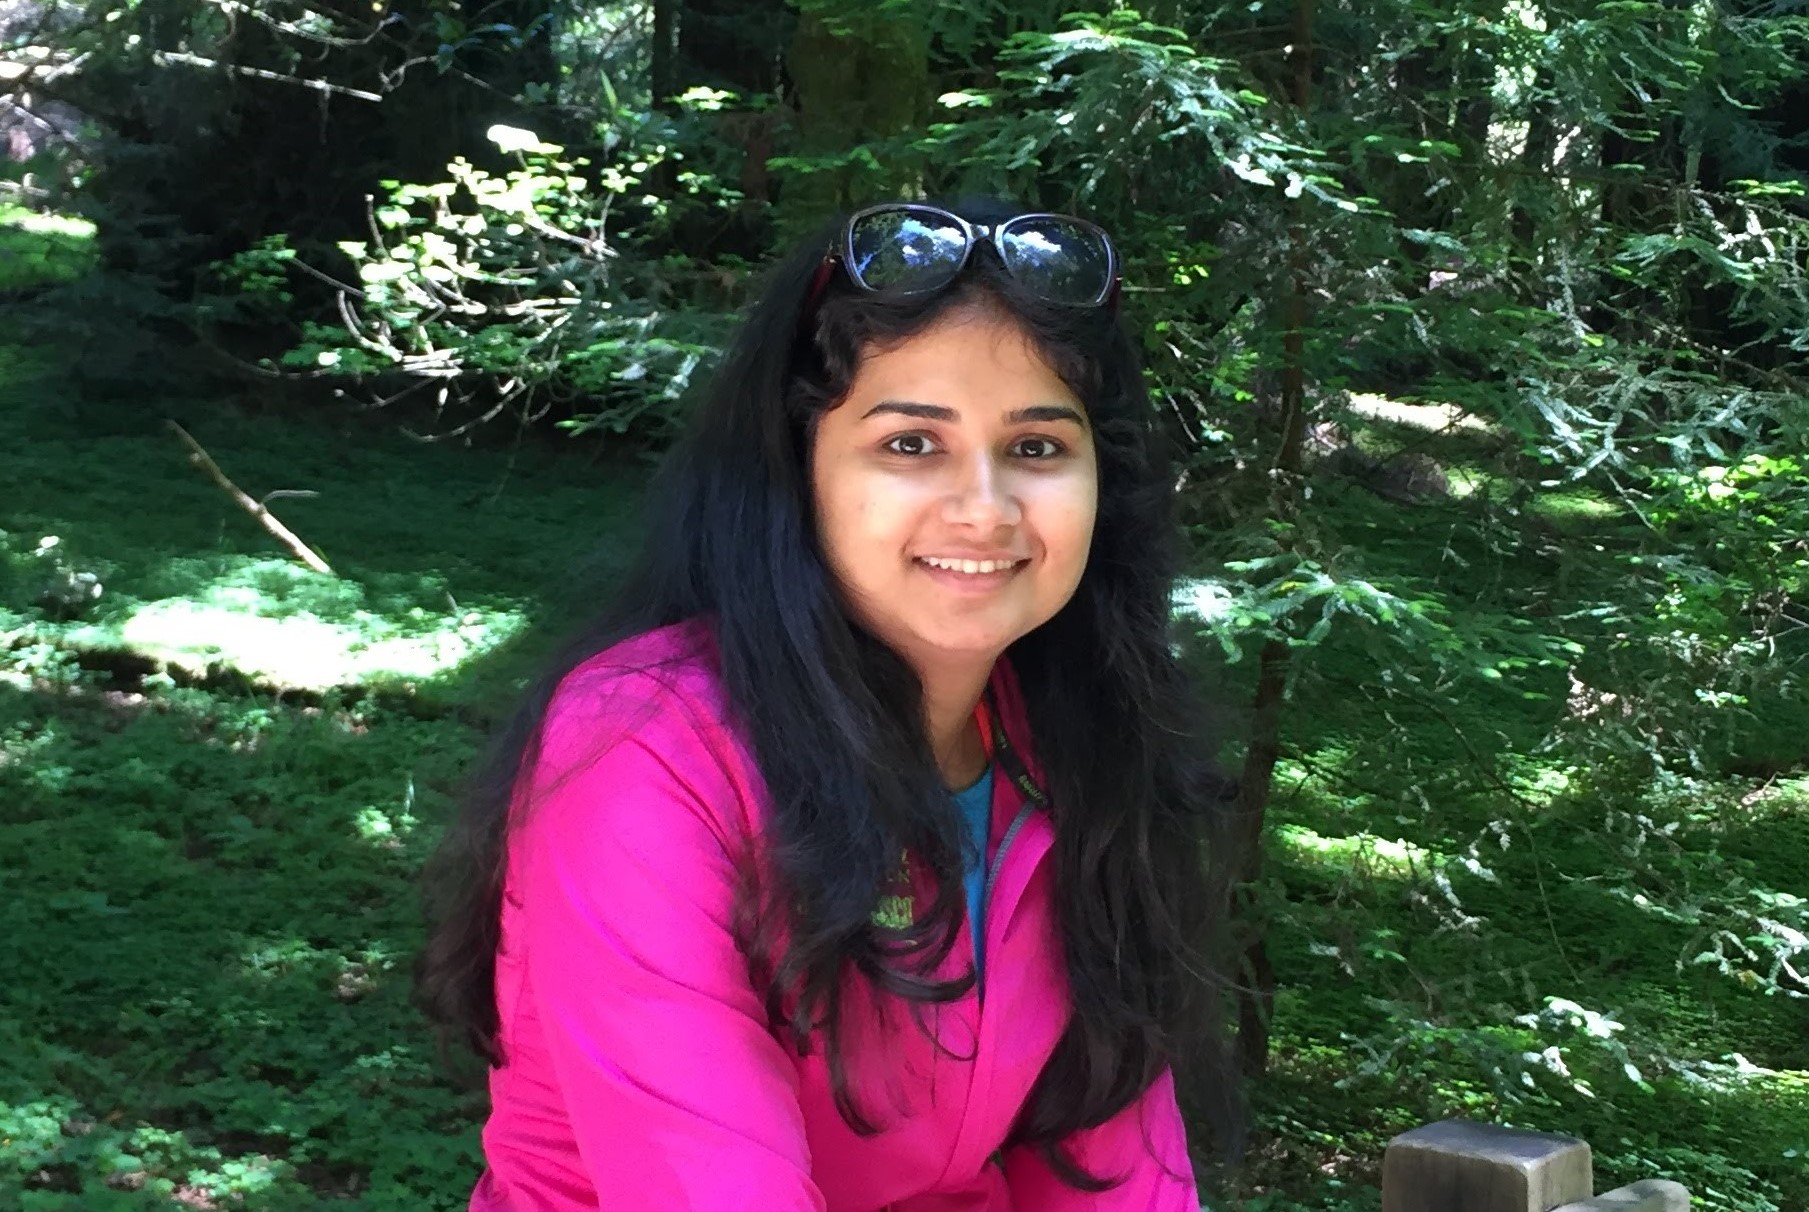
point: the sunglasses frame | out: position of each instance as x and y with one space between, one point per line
842 251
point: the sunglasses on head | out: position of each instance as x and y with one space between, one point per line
903 249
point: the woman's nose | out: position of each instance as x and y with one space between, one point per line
982 496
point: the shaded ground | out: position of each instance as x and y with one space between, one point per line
218 778
219 773
1485 903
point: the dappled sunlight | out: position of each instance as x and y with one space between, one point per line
22 746
1538 783
393 828
65 1138
347 976
1363 854
1481 363
1789 795
273 958
69 228
1432 418
40 248
1734 1073
1208 600
1575 506
1467 481
266 637
233 916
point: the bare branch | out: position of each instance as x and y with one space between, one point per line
165 58
300 550
234 8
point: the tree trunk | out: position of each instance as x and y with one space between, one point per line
1256 987
664 85
1637 201
1474 86
662 69
739 46
1536 157
861 77
733 44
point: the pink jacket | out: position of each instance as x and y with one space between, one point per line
640 1074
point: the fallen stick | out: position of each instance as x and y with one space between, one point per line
266 519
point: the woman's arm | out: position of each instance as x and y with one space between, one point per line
679 1096
1160 1175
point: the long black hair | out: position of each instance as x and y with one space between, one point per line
834 720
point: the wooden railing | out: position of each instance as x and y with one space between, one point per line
1458 1166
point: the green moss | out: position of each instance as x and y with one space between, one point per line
1576 508
41 249
214 894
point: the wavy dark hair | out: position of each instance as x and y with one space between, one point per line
835 722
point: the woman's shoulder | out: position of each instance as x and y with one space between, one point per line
649 706
663 684
673 665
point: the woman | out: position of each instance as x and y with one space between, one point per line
854 861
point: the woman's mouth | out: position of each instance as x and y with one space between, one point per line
977 570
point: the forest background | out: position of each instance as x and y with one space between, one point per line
1480 324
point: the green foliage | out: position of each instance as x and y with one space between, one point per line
218 892
1072 104
1481 329
211 865
497 293
1552 312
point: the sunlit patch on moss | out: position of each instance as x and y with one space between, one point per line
285 955
1539 782
42 1135
67 227
1358 852
1792 793
1463 482
19 744
1575 506
1430 417
269 631
37 248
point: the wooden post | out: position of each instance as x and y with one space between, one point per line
1458 1166
1651 1195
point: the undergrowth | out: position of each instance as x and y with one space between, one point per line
219 773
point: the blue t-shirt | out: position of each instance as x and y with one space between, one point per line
975 804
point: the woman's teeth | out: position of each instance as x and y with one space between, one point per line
971 567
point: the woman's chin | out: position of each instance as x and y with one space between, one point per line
963 646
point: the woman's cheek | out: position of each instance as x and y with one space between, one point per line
1072 510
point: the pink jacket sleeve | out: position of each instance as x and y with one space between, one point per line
1160 1174
678 1095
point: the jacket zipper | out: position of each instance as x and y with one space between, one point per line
992 874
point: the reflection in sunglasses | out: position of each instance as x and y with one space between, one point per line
910 249
1037 240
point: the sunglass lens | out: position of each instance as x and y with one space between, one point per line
906 250
1063 260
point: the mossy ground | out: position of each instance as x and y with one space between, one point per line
219 778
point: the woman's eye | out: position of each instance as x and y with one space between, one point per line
1038 448
911 445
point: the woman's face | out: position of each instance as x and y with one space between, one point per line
956 488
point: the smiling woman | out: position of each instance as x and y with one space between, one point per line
747 831
954 506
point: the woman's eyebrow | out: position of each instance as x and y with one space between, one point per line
939 412
910 408
1046 412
